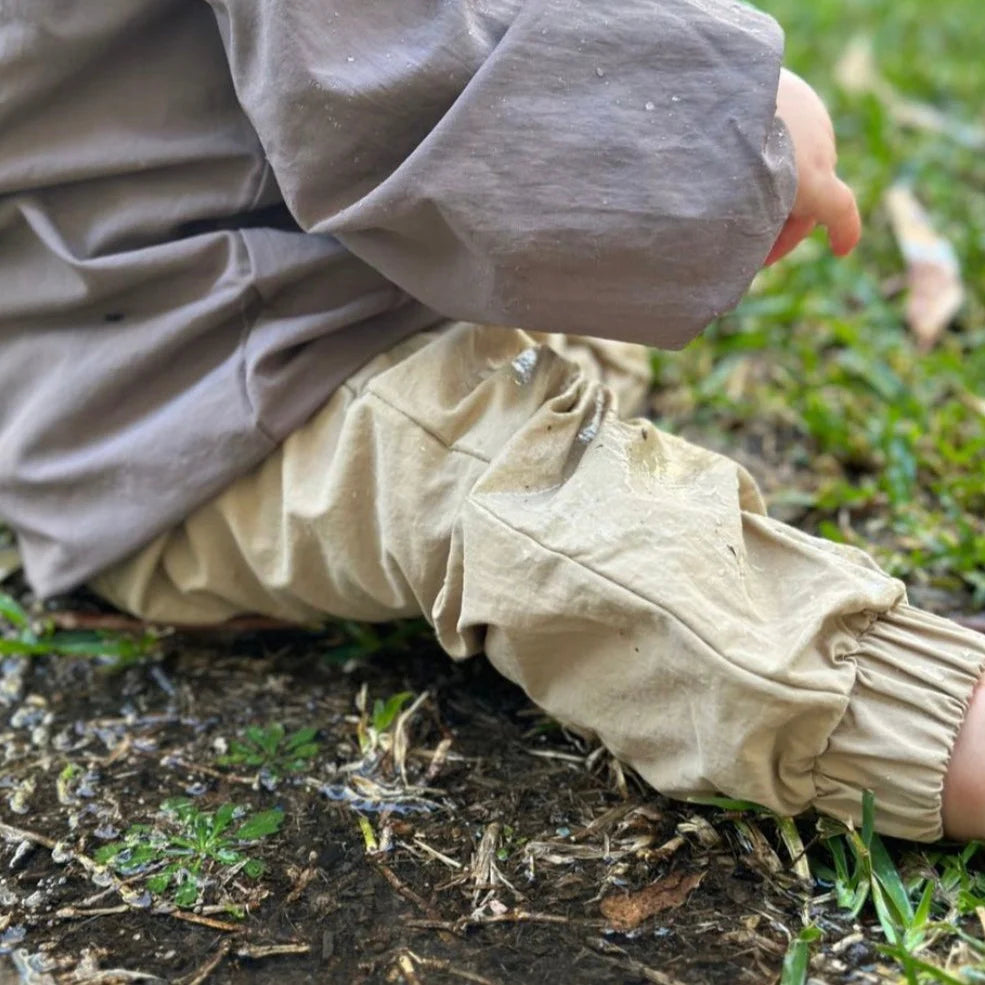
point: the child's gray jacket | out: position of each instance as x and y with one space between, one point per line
211 214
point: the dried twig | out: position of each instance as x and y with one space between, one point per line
208 966
305 878
510 916
11 833
603 822
404 890
565 757
229 928
75 913
400 744
408 894
483 871
440 856
438 759
257 951
113 976
249 781
407 961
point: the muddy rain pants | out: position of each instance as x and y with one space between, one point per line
629 581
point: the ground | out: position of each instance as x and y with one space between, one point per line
350 806
490 862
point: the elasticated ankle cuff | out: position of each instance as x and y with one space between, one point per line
916 674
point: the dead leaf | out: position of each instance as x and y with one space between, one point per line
701 829
933 273
628 912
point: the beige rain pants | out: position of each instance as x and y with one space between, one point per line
630 582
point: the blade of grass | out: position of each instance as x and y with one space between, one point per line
797 960
11 610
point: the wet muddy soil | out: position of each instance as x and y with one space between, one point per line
433 828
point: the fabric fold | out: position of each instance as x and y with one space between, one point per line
599 169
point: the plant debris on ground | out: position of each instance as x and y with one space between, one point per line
352 807
442 830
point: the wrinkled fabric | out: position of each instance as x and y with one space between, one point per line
608 169
630 582
211 217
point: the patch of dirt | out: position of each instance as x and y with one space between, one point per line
468 840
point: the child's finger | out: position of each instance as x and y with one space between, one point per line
842 219
794 230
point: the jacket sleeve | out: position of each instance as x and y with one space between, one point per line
611 169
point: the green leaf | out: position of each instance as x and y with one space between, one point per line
85 644
851 890
159 883
186 893
222 820
22 648
181 807
385 713
922 915
916 964
106 854
798 957
887 920
303 738
260 825
889 878
272 738
253 868
11 610
868 817
308 751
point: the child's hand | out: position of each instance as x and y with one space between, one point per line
822 198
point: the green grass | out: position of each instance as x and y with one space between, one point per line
922 902
22 636
884 444
889 440
925 902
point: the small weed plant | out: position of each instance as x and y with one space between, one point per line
375 722
272 750
191 848
365 640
